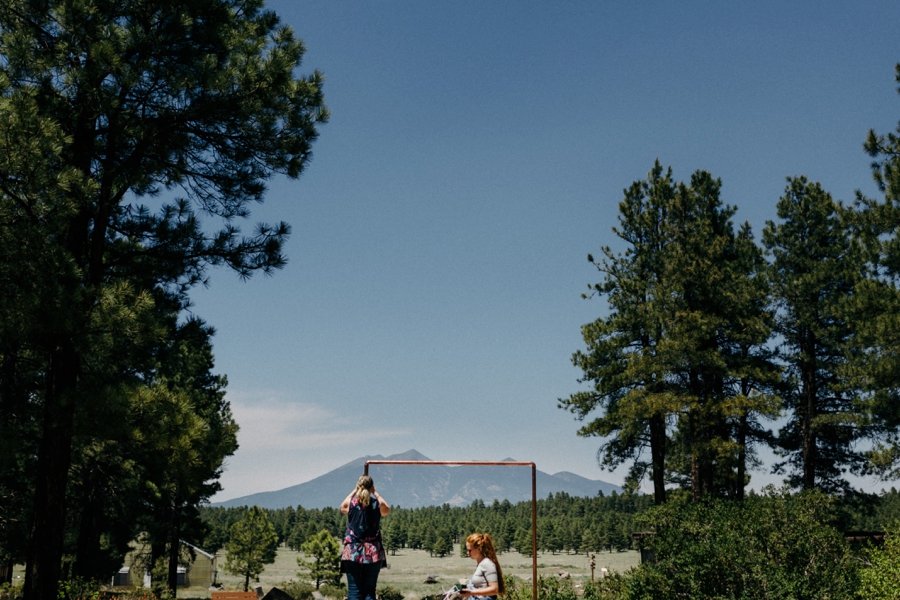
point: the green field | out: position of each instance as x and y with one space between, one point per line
408 569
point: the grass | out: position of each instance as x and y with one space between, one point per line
408 569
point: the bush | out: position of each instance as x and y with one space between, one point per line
881 576
335 592
611 587
10 591
389 593
298 590
779 545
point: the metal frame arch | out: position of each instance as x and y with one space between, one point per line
482 463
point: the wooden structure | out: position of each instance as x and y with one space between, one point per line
233 596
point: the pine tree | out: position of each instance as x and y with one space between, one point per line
815 267
679 364
323 552
621 361
105 102
252 544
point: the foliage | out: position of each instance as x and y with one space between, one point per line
251 545
10 591
105 104
298 590
334 591
816 266
389 593
880 578
569 519
325 551
678 365
611 587
777 545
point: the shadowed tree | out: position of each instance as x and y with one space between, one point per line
104 102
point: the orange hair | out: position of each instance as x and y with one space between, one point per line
485 544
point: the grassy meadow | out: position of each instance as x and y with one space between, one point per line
408 569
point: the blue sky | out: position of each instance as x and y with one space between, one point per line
476 154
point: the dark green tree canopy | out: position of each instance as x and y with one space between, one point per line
109 107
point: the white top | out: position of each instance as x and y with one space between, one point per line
485 573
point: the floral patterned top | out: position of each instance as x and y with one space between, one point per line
362 542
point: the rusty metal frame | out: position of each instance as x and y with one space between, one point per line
482 463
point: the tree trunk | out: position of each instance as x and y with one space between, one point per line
86 560
174 548
45 550
808 405
658 457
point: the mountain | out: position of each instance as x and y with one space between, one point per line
414 486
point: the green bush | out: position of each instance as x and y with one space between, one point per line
298 590
775 546
881 576
335 592
611 587
10 591
389 593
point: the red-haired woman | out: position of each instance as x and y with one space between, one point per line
487 580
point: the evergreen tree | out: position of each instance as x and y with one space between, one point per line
876 306
679 366
815 267
323 551
252 545
716 314
622 362
443 543
105 102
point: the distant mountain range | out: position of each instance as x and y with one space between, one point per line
413 486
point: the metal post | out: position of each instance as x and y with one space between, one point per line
482 463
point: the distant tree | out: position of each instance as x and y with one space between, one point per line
323 564
252 544
524 544
389 534
443 543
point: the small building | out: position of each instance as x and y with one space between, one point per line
202 572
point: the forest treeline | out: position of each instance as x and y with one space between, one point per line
566 523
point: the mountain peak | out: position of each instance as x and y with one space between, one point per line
408 455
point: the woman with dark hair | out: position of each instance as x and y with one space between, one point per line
487 580
363 554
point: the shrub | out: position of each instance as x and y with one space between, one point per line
881 577
335 592
389 593
611 587
10 591
298 590
778 545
